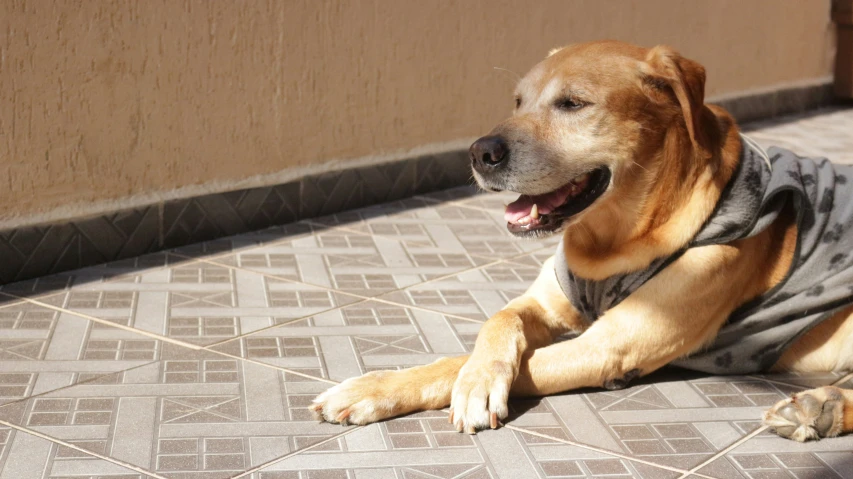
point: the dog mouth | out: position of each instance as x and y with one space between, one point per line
537 215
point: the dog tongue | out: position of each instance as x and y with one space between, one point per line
521 208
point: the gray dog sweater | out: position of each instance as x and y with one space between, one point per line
818 283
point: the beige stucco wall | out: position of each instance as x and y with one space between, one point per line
106 103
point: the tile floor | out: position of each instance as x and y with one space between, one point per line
200 362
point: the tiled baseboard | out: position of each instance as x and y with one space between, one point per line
34 251
768 104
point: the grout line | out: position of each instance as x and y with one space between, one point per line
725 451
273 366
752 434
264 244
354 295
169 264
365 299
696 474
168 340
593 448
427 310
843 379
105 279
437 203
460 204
307 376
115 325
780 382
81 383
80 449
283 279
508 260
19 299
294 453
290 321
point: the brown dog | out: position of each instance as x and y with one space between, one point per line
613 145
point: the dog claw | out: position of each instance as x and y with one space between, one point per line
317 410
471 430
493 420
450 416
343 416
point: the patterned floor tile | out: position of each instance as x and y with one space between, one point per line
821 133
424 446
770 457
43 349
198 302
191 414
493 202
47 288
233 244
25 456
476 294
480 232
357 219
356 339
807 380
675 418
446 228
352 262
536 259
847 384
454 194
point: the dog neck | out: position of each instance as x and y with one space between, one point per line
676 190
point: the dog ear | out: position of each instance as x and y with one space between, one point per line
665 71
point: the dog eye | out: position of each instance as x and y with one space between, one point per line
569 104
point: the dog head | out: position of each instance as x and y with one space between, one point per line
588 127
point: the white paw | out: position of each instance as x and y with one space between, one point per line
480 395
360 400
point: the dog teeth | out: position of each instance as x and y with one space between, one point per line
580 181
534 212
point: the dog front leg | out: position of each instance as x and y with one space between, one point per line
480 393
674 314
620 346
529 321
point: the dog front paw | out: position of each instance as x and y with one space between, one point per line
480 395
360 400
808 415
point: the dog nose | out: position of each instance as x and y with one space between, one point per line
488 152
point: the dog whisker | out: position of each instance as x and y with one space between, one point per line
641 166
517 76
